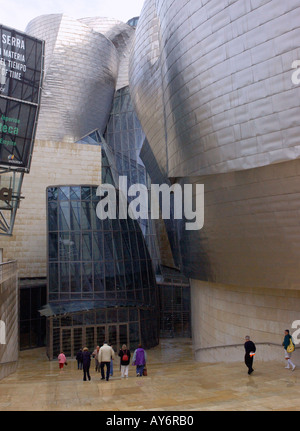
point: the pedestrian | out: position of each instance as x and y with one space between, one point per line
287 355
95 355
79 359
86 363
111 371
139 360
124 354
105 355
62 360
250 350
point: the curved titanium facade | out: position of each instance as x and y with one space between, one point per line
211 83
121 35
81 67
212 88
223 73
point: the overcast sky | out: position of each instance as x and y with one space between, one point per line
18 13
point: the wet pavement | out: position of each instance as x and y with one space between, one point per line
175 382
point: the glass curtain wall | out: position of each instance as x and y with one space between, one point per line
124 138
95 264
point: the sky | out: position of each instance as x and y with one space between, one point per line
18 13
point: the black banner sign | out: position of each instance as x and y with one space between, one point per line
21 70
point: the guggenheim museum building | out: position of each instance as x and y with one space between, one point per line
190 92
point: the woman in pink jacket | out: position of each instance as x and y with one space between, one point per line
61 360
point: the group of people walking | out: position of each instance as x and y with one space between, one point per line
104 357
287 344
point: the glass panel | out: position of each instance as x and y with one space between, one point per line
96 222
133 314
109 276
75 193
117 242
87 246
77 319
52 216
75 277
144 273
126 246
120 279
112 316
56 342
134 335
86 210
66 321
52 193
112 335
101 316
64 244
53 277
134 245
64 216
123 315
75 215
53 246
97 246
100 335
87 277
64 277
123 335
66 341
90 317
89 338
75 246
64 193
108 246
98 277
140 245
129 276
86 193
77 339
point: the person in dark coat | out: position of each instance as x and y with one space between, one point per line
86 362
79 359
250 350
124 354
286 342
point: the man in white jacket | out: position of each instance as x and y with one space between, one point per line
106 353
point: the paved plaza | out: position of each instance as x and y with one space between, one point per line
175 383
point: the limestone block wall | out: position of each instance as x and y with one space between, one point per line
9 334
53 163
223 314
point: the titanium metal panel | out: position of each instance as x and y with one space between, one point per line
212 86
81 70
225 80
121 35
